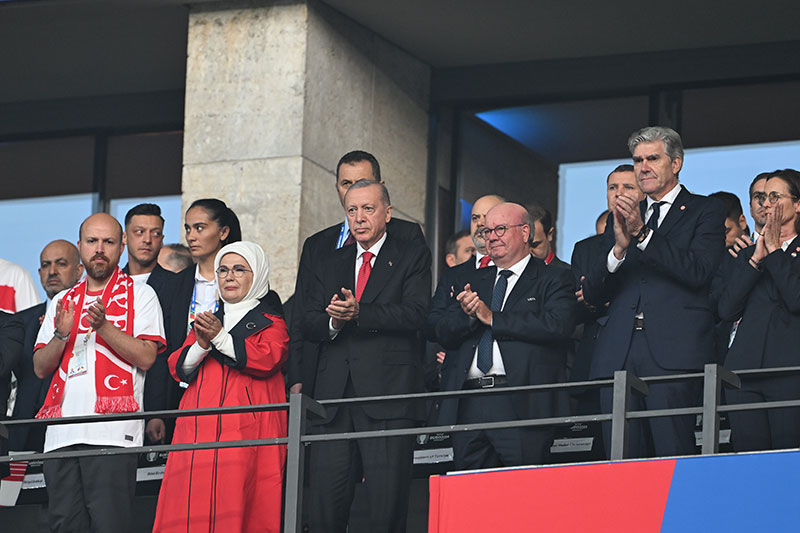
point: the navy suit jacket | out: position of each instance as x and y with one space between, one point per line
450 284
584 255
382 351
314 261
160 390
669 282
532 332
768 302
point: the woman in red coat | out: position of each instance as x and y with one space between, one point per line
231 357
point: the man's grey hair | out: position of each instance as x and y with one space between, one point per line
672 141
371 183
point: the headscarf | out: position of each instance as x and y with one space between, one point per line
258 262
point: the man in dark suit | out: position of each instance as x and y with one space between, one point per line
144 237
661 255
510 329
365 312
620 181
60 268
352 167
542 236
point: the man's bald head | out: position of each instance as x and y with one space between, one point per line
59 267
100 217
478 220
100 247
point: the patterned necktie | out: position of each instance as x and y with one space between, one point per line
652 222
485 344
363 273
484 261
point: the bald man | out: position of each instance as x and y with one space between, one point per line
444 297
511 328
59 269
99 337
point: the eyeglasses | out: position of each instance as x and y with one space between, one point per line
773 197
498 230
760 197
238 271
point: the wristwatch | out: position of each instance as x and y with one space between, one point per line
60 337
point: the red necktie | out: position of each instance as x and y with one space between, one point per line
484 261
363 273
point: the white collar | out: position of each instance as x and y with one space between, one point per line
375 249
200 279
519 267
668 198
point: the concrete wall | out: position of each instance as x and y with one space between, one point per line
275 94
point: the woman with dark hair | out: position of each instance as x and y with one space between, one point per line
209 225
231 357
762 297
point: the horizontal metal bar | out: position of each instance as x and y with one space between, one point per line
428 430
755 406
118 450
167 413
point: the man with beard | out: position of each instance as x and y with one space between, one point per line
97 339
144 237
452 280
60 268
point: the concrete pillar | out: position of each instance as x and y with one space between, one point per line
275 94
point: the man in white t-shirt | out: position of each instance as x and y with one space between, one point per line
97 339
17 290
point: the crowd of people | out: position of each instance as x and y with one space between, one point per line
671 281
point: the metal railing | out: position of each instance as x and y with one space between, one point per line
624 385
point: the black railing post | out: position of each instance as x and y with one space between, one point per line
624 381
299 404
713 376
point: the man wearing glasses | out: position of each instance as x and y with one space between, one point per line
510 329
656 270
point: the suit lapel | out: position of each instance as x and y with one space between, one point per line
524 282
344 267
675 212
484 283
382 270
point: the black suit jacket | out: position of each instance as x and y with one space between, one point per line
314 261
768 302
160 390
532 332
12 335
381 352
584 255
450 284
31 390
669 281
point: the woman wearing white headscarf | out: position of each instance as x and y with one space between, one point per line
231 357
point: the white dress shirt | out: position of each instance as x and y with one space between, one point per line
498 369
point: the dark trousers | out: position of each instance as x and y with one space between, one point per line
499 447
336 467
663 436
767 429
90 493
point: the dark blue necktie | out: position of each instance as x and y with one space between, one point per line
652 222
485 345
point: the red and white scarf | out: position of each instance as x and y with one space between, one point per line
113 377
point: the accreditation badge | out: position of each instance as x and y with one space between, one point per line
77 362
